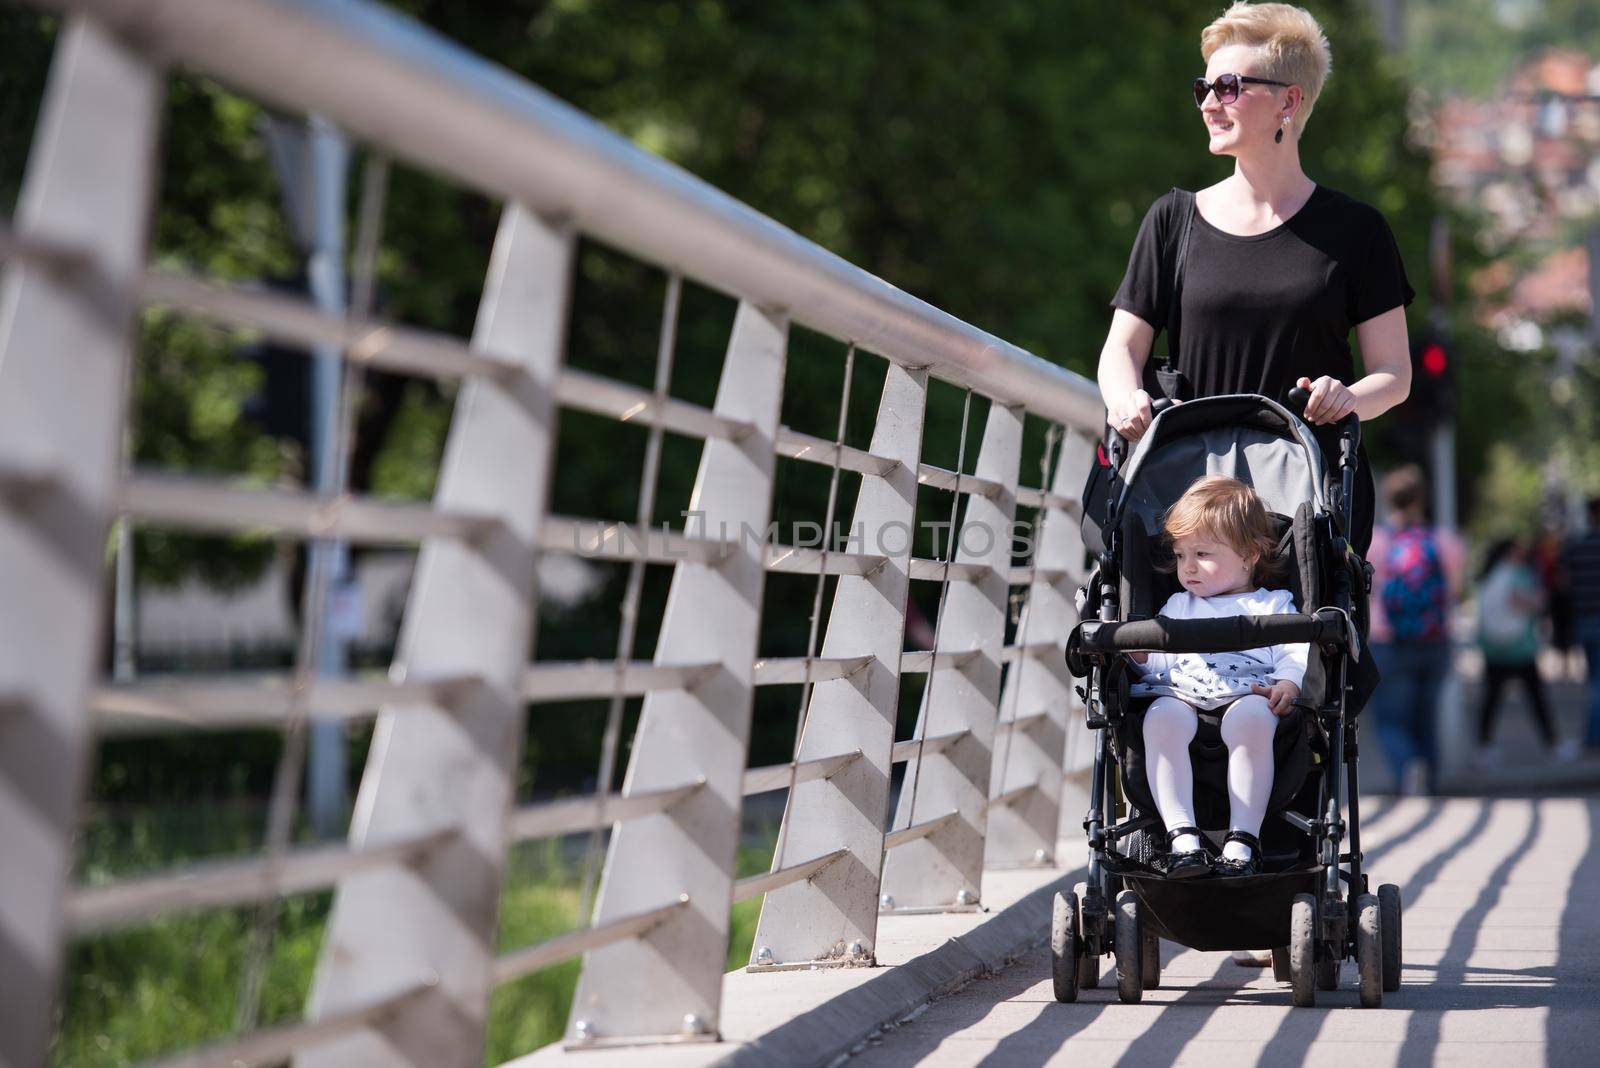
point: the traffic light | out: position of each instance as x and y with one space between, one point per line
1433 384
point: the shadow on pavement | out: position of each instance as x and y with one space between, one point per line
1422 1029
1569 1030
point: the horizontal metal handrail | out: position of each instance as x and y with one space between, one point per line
1033 497
638 407
942 478
794 560
1011 797
571 814
391 346
601 539
233 703
798 446
756 885
56 256
605 539
1012 653
271 1045
921 661
1023 576
785 670
211 884
779 776
925 570
572 680
412 350
1022 723
546 681
937 743
212 504
360 65
895 839
519 962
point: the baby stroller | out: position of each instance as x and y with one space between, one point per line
1309 902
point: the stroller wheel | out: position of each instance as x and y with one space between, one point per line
1389 917
1150 961
1302 950
1369 950
1064 946
1129 946
1280 964
1088 960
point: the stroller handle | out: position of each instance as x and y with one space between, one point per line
1298 399
1230 634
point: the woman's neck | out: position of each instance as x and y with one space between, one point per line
1272 181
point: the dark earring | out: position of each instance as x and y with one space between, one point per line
1278 137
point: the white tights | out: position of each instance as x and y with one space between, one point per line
1248 727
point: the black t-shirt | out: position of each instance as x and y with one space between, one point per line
1259 312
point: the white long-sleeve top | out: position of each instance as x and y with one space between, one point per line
1211 680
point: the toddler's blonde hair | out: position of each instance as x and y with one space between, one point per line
1221 507
1291 43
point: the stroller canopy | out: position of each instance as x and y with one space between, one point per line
1247 436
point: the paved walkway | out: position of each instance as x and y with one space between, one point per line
1502 968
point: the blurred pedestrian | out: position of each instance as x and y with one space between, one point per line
1549 560
1510 601
1583 570
1416 582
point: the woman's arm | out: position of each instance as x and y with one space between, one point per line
1121 374
1386 352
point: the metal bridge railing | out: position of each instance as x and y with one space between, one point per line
409 959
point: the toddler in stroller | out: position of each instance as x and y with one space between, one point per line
1284 878
1222 546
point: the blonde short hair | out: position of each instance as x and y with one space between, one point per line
1227 510
1293 47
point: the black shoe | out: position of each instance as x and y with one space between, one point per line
1189 863
1229 868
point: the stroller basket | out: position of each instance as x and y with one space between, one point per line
1213 914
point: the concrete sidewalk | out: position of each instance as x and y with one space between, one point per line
1501 955
815 1017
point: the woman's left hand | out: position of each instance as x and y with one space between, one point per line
1331 400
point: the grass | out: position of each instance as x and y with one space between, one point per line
133 994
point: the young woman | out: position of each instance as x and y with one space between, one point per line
1278 270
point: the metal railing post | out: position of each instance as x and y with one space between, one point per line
822 919
1038 703
65 343
667 983
451 767
944 869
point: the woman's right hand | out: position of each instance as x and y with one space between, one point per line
1131 415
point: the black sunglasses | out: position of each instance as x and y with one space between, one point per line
1227 87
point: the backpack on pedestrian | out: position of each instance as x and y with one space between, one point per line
1416 597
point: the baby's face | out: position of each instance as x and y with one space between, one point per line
1208 567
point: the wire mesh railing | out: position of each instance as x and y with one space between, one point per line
412 935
